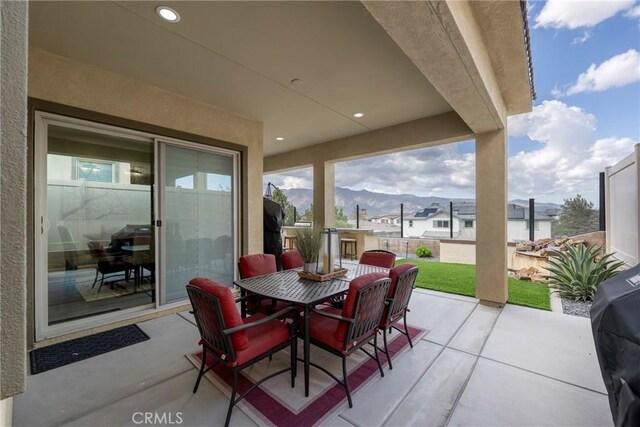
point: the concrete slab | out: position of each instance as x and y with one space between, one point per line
475 331
431 401
446 295
502 395
188 317
442 316
547 343
172 399
374 404
337 421
555 302
55 396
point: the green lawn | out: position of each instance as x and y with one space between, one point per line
461 279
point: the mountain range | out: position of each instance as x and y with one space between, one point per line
383 203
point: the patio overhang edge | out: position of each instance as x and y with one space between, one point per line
461 67
425 132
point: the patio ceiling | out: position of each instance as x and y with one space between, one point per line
243 56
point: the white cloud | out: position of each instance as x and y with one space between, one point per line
633 12
574 14
581 39
299 178
566 157
619 70
556 92
570 157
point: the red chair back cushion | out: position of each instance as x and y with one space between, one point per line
232 318
350 302
394 273
379 259
256 265
291 259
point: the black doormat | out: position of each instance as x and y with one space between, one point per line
46 358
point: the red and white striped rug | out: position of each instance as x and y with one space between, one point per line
275 403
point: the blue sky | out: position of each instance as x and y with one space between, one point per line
586 117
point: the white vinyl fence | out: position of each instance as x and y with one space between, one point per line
622 186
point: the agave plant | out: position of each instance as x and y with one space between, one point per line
578 272
309 243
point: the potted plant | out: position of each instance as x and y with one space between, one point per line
309 243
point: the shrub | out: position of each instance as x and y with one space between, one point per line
578 272
423 252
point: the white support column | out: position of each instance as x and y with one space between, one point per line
324 188
491 214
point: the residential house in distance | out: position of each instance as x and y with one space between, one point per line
386 219
434 222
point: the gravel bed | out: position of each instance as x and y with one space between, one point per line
576 308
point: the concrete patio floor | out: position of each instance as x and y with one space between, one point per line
478 365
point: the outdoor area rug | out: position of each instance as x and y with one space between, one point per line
275 403
54 356
123 289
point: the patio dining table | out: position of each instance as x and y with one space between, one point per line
287 286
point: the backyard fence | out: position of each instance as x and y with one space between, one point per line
622 186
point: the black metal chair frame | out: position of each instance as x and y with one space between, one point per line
257 299
225 351
98 262
398 304
357 330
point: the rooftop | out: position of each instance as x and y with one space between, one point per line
467 210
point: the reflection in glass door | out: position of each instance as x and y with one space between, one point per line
198 211
97 229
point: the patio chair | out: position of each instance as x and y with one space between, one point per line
69 246
343 332
106 264
237 342
291 259
379 258
258 265
403 279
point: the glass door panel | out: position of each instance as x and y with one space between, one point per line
198 218
100 244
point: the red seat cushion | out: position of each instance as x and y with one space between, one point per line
256 265
379 259
323 329
291 259
350 302
232 318
262 338
266 306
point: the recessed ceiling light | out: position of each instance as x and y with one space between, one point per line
279 138
168 14
297 82
358 115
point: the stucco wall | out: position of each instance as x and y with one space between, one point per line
65 81
13 196
464 252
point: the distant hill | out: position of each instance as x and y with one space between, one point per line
382 203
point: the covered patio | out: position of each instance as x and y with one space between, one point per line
477 365
280 86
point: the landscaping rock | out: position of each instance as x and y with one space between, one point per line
576 308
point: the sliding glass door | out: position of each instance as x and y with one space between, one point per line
198 210
123 221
